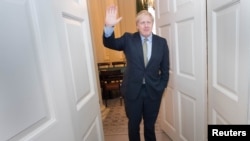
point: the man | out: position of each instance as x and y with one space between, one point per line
144 78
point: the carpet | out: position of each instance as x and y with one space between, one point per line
116 121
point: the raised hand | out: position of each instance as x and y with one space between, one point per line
111 16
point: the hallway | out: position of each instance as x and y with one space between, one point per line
115 124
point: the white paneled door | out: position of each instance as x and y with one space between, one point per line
184 108
189 25
228 53
48 86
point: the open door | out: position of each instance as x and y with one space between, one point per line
228 53
48 84
184 108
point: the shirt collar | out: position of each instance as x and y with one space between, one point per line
149 37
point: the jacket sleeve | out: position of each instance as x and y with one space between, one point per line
114 43
165 65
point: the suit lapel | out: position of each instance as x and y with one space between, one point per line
153 51
138 45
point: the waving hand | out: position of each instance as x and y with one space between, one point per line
111 16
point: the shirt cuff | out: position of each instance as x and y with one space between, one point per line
108 30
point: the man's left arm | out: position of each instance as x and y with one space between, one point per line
165 64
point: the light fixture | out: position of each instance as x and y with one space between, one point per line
150 3
147 3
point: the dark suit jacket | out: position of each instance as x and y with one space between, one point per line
156 72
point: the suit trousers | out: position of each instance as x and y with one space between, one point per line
143 107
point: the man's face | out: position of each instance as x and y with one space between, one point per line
145 25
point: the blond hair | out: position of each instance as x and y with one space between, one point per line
144 13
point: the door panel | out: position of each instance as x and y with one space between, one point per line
27 99
227 53
80 73
182 23
48 87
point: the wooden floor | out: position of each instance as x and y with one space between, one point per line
115 124
159 137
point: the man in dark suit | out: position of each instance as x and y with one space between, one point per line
146 76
